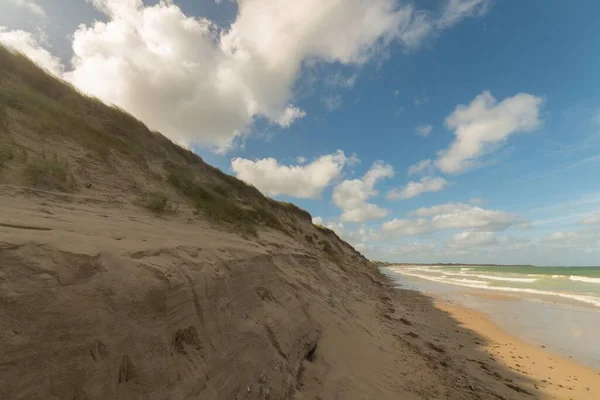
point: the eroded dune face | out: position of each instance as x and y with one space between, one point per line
104 303
129 268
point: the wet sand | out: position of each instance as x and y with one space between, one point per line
550 375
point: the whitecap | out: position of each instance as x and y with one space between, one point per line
584 279
581 298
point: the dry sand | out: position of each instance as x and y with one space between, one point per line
106 302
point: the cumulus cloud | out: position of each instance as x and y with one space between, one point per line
440 209
484 125
424 130
27 44
413 189
473 239
591 219
456 10
575 240
30 6
317 220
453 216
420 167
407 227
200 83
352 196
462 216
303 181
289 116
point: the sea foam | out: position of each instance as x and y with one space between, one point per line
581 298
584 279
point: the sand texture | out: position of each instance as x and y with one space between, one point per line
103 303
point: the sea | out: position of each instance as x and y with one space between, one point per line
558 307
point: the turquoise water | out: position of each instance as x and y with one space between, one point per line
561 284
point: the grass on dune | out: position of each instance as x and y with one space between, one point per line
33 99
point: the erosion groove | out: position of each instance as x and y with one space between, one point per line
202 308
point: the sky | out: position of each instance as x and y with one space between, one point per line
424 131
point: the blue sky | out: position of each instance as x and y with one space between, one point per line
329 107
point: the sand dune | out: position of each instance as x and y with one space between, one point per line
106 303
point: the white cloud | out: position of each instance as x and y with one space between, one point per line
200 83
464 216
413 189
301 160
420 167
414 248
447 208
407 227
574 240
352 195
484 125
591 219
396 92
317 220
424 130
457 9
332 103
468 216
453 216
302 181
25 43
473 239
31 6
289 116
353 160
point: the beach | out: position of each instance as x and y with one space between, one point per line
533 338
550 375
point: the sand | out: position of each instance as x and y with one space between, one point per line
549 375
107 302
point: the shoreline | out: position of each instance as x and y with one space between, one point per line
531 319
549 374
535 370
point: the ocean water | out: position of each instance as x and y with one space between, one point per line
558 307
560 284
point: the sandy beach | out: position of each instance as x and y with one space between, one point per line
549 375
